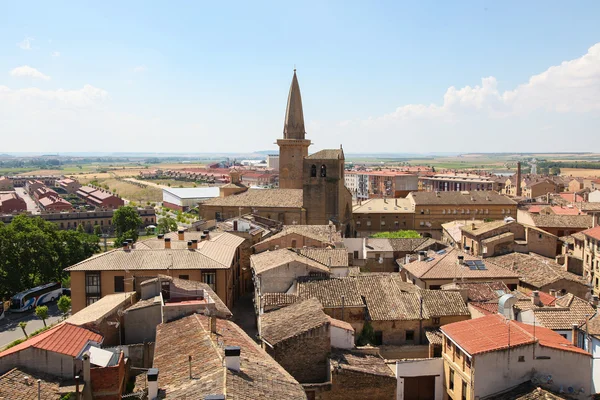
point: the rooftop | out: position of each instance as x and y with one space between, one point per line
567 311
593 233
494 332
485 227
527 391
384 206
535 270
106 306
445 266
64 338
561 221
259 376
327 154
329 257
478 198
268 260
21 384
322 233
480 291
278 299
294 320
357 362
274 198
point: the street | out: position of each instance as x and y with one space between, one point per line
31 206
9 325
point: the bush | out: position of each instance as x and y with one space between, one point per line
14 343
397 235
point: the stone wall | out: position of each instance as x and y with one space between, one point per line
357 385
305 356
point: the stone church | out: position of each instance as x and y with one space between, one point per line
311 187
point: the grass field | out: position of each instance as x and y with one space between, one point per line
580 172
133 192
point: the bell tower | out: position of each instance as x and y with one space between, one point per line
293 148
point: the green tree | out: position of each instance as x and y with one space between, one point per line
166 225
42 313
64 304
97 230
80 228
397 234
126 222
367 335
23 325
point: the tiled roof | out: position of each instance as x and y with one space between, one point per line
64 339
278 299
486 308
145 259
145 303
434 336
329 257
384 297
494 332
321 233
407 244
106 306
268 260
535 270
273 198
594 232
474 198
590 206
259 377
562 221
327 154
568 310
593 325
485 227
480 291
296 319
340 324
358 362
384 206
21 384
445 266
578 236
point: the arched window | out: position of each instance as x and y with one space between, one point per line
323 171
313 171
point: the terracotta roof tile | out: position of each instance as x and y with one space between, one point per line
321 233
594 232
479 198
268 260
279 198
329 257
64 339
278 299
480 291
283 324
357 362
21 384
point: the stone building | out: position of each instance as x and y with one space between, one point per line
6 184
298 337
299 236
383 215
591 257
311 188
11 203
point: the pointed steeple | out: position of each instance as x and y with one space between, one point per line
293 127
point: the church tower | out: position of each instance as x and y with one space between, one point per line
293 148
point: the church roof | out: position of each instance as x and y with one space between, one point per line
328 154
293 127
284 198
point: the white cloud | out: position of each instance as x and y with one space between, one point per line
140 68
27 71
33 97
26 43
55 54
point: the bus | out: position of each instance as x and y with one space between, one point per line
31 298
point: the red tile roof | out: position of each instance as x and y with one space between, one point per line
569 196
594 232
64 339
494 332
546 298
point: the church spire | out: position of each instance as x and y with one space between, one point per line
293 127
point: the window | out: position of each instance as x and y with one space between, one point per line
368 223
378 336
91 300
92 283
463 394
356 254
313 171
410 336
119 284
435 320
294 243
377 255
210 279
451 380
522 358
323 171
184 277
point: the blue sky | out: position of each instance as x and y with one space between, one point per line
375 76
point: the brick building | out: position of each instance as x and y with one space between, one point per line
11 203
458 182
99 197
54 203
6 184
299 236
383 215
68 185
591 257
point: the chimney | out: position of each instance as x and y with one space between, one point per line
535 299
161 236
167 243
125 245
180 234
207 233
39 389
190 245
87 378
194 243
152 376
460 260
594 301
202 238
235 225
232 358
574 334
519 178
213 323
473 226
553 292
422 255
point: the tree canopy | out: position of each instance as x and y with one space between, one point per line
34 251
396 234
126 222
166 225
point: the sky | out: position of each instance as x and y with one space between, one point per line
377 77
